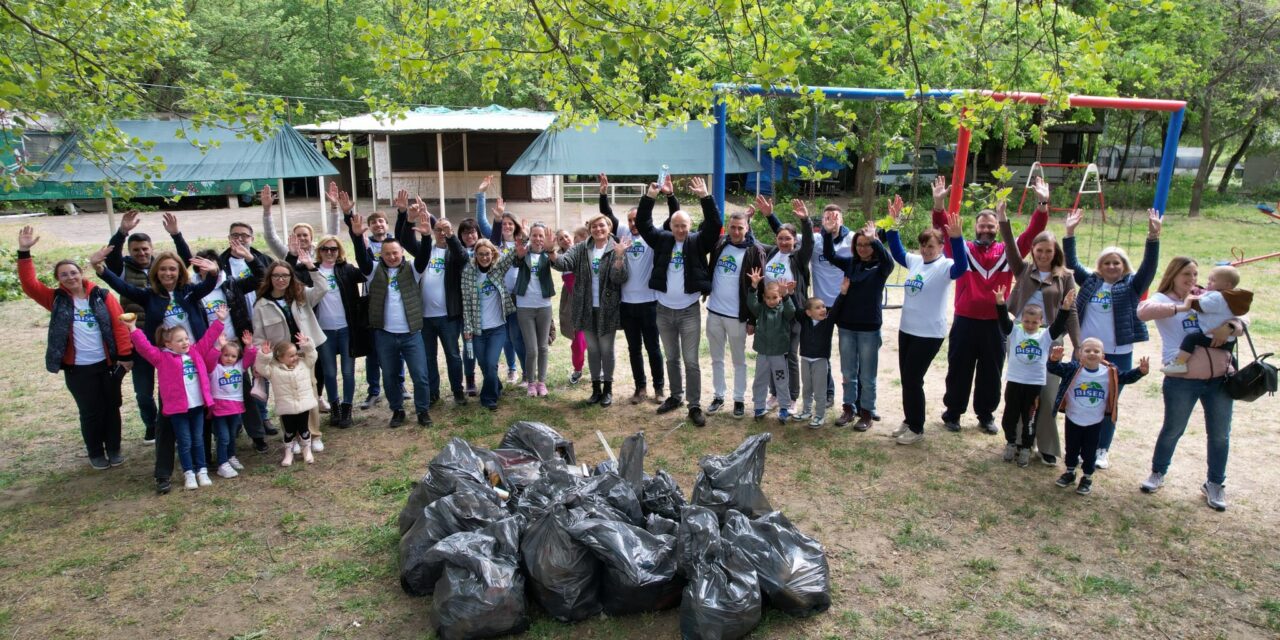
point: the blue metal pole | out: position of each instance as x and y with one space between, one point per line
717 163
1168 161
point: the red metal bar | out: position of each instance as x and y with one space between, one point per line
1103 102
1242 260
961 163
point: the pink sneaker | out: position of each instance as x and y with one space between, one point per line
542 389
533 390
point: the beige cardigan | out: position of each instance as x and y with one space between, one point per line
269 322
293 389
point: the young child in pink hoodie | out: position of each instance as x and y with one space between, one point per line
229 363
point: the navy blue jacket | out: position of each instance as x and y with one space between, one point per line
189 299
1126 293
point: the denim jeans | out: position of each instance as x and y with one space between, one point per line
443 331
373 372
487 347
144 390
394 347
1180 397
859 362
188 434
1123 362
513 344
224 430
337 349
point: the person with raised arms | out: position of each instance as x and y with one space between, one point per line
728 318
788 261
485 307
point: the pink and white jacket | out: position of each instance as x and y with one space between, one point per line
236 376
173 393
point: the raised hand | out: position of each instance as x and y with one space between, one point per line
1154 223
788 287
1002 210
96 258
239 250
1002 294
1069 300
222 339
484 184
940 191
653 190
267 199
444 227
221 313
27 238
246 338
756 276
869 229
305 259
844 286
500 207
301 339
798 209
699 187
620 248
332 193
1073 220
130 220
668 187
954 227
1144 365
1055 353
764 205
522 249
1041 188
205 266
266 348
170 223
402 200
417 210
895 208
345 203
358 226
604 184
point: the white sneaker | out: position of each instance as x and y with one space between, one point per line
1215 495
1153 483
307 447
296 448
202 477
816 422
1100 460
803 416
225 471
910 437
902 428
235 463
324 405
316 445
1174 367
189 480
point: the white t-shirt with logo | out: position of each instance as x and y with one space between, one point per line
596 256
532 298
492 314
1173 329
924 306
1087 397
393 317
827 278
191 382
86 334
218 300
509 278
227 382
778 268
329 313
375 246
726 274
433 285
1037 296
240 271
674 297
640 266
1100 321
1028 355
176 316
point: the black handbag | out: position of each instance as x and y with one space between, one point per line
1254 380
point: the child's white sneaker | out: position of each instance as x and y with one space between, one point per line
316 445
1174 367
235 463
816 421
295 448
225 471
189 480
202 477
1101 460
802 416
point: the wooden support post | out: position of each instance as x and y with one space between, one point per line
351 161
111 212
440 171
284 213
466 174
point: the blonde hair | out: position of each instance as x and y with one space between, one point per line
598 217
484 243
281 349
1228 276
302 225
342 251
1118 252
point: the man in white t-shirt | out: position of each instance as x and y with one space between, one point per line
736 254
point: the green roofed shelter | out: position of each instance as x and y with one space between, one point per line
616 148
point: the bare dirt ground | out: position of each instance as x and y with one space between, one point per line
940 540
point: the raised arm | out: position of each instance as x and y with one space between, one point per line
179 243
363 258
1039 219
277 246
1003 318
896 249
805 252
1146 273
31 285
136 294
1016 263
939 213
829 252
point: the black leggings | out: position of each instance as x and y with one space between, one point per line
975 358
1019 407
296 425
914 356
97 396
640 327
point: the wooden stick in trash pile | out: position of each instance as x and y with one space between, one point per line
607 448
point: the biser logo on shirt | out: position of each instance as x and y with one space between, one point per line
86 316
636 249
775 269
436 265
189 368
1090 393
1191 323
727 264
211 306
333 281
230 378
677 260
1028 350
1102 300
595 265
174 311
914 285
487 289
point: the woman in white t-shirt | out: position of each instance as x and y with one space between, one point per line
924 312
336 314
533 291
1107 304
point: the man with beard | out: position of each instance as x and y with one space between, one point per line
975 341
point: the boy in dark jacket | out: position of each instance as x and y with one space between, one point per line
773 311
815 355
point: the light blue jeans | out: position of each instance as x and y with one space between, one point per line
859 361
1180 397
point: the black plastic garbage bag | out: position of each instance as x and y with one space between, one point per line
662 496
462 511
640 568
733 481
554 487
609 497
480 593
792 567
563 573
658 525
519 468
540 440
722 599
631 461
457 465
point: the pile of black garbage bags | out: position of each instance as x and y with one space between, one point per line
486 529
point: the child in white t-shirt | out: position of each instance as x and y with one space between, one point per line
1221 302
228 363
1028 343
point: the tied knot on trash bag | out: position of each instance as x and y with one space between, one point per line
722 598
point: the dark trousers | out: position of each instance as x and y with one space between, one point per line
640 327
976 346
441 333
374 373
144 391
97 395
914 356
165 446
1020 402
1082 445
295 425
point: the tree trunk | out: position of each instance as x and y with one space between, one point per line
865 188
1206 159
1235 157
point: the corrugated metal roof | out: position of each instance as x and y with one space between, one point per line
622 149
439 120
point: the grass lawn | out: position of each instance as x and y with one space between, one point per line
941 540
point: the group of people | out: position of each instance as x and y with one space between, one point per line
420 286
